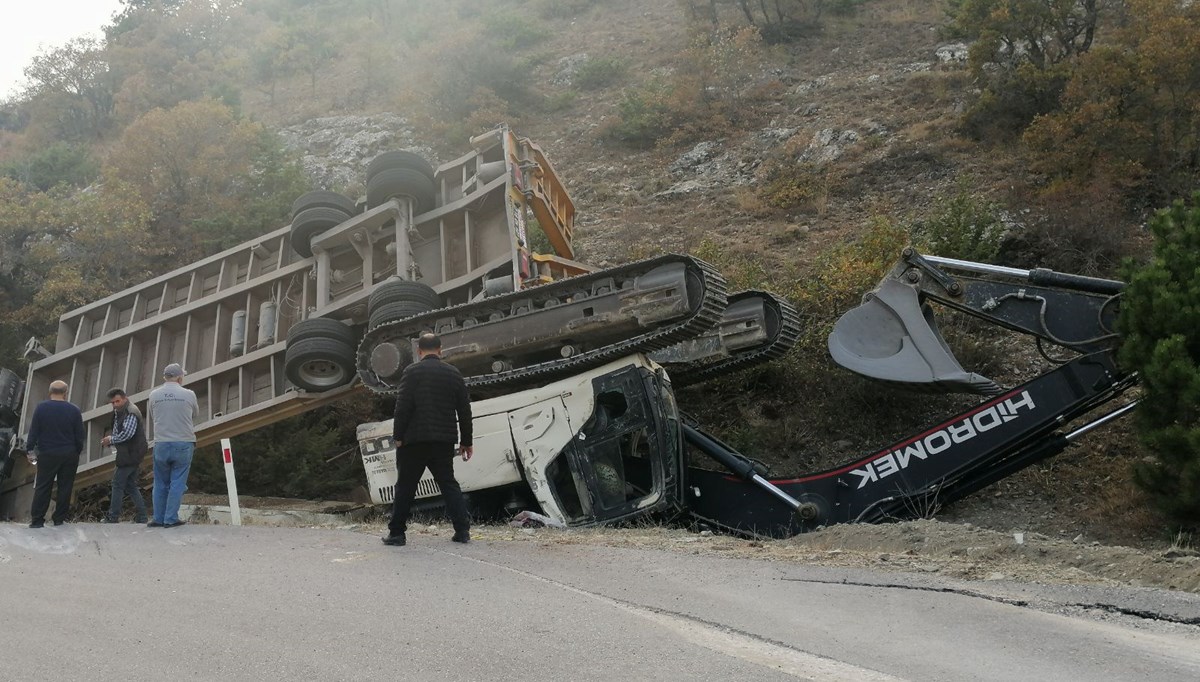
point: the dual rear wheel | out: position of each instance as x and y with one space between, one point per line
321 352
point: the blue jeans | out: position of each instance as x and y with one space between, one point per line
125 481
172 462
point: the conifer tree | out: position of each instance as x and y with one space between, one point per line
1160 325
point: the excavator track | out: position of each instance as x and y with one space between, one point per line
564 327
783 333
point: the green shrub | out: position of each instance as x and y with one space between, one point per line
1073 228
962 226
565 9
60 163
559 101
597 73
1013 100
513 31
643 117
790 185
1160 328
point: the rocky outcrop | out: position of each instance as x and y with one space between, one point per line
335 150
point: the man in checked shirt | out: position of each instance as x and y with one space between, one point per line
128 441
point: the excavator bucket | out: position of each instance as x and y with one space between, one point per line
893 337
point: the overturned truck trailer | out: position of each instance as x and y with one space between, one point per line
269 328
303 315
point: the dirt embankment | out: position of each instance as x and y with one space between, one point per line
960 551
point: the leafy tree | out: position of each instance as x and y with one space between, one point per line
1021 52
134 12
60 250
267 62
1041 33
209 178
1160 325
310 49
79 84
173 52
1129 114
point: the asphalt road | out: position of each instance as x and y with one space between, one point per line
214 602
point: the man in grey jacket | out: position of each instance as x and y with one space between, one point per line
172 410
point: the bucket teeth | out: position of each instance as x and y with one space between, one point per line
892 337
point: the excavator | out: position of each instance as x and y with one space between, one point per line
610 444
573 369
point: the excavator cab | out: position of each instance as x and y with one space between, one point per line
626 458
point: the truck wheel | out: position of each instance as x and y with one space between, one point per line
400 159
401 182
319 364
322 328
324 199
394 290
398 310
313 221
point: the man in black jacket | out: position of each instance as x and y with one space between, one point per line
433 412
128 441
55 439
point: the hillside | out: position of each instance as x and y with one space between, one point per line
799 155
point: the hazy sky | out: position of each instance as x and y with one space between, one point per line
29 25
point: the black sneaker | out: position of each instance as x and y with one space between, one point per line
174 525
59 523
154 524
464 537
37 524
395 540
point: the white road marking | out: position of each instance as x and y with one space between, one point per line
733 643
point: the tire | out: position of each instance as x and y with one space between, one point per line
322 328
319 364
324 199
401 182
394 290
398 310
400 159
313 221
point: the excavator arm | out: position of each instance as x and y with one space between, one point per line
893 337
915 476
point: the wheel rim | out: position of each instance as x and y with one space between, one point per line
322 373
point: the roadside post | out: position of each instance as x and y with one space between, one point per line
235 512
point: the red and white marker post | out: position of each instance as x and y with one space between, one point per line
235 511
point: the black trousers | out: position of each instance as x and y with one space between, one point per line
49 469
411 461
